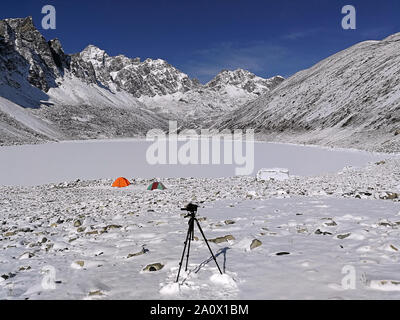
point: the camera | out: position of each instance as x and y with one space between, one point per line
191 207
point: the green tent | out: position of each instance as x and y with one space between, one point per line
156 185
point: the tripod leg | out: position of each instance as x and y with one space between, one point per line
183 253
209 248
191 234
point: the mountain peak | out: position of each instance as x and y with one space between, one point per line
93 50
20 25
94 55
245 80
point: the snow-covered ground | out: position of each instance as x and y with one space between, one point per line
66 161
86 240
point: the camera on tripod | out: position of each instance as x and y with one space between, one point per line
191 208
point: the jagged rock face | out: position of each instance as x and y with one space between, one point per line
147 78
25 52
26 55
245 80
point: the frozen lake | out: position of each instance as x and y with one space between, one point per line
66 161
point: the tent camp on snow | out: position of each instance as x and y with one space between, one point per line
121 182
156 186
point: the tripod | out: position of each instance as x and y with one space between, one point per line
190 238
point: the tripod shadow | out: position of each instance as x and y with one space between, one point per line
205 262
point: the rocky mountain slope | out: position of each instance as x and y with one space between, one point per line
351 99
93 95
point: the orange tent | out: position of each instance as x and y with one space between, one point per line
121 183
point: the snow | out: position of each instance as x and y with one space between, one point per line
28 119
293 261
87 240
67 161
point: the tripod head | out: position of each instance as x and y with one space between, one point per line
191 208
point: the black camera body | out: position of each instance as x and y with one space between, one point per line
191 208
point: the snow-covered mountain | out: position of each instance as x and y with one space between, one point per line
49 95
91 94
351 99
245 80
147 78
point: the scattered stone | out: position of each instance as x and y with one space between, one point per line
96 293
255 243
389 196
8 276
394 248
25 268
325 233
392 196
282 253
80 263
77 223
330 224
10 234
81 229
153 267
143 251
26 255
343 236
302 230
222 239
112 226
228 222
44 240
380 163
92 232
386 224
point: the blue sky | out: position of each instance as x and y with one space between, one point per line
204 36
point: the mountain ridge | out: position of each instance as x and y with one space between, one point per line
350 99
39 76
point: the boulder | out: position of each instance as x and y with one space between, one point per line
222 239
153 267
255 243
